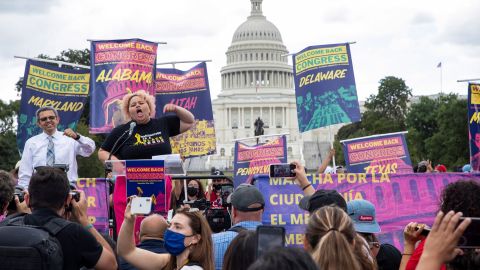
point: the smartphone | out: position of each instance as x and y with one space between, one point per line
269 237
282 170
426 230
141 205
471 236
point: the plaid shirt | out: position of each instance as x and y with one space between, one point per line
222 240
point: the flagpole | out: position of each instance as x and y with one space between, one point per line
441 79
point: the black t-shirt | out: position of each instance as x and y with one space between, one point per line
80 248
147 140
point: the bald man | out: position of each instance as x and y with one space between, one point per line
152 229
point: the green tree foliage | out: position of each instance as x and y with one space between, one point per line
385 113
8 150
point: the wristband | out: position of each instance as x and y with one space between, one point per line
78 137
88 227
305 187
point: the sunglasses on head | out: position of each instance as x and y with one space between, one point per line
51 117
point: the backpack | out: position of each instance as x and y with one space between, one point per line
31 247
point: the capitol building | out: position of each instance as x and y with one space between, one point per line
257 81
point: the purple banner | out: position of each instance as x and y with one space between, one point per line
189 89
118 67
386 153
146 178
97 193
398 199
474 125
255 159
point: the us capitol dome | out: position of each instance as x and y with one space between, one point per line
257 81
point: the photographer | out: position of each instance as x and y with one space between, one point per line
247 209
49 197
6 191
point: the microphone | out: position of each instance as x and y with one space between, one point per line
130 132
132 126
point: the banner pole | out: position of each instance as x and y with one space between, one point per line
60 63
331 146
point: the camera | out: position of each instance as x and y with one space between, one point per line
19 191
218 219
75 195
217 215
201 204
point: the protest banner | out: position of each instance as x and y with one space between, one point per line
385 153
325 86
474 125
64 89
188 89
118 67
255 159
398 199
146 178
97 195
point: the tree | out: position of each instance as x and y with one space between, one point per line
385 113
392 100
421 121
449 145
8 151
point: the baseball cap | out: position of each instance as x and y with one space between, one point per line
320 198
362 212
246 195
467 168
441 168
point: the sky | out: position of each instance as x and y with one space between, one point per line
406 39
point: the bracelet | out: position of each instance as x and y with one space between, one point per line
305 187
88 227
407 254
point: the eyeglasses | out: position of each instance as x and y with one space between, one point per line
51 117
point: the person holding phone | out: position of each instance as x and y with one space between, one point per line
188 241
460 196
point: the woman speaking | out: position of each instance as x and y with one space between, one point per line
144 136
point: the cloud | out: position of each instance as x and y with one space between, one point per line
26 6
422 18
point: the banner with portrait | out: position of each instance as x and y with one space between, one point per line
474 125
398 200
188 89
325 86
118 67
385 153
64 89
250 160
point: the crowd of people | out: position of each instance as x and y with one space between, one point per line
338 235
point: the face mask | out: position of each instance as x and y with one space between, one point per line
174 242
192 191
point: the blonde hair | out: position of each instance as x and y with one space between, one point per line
331 235
142 94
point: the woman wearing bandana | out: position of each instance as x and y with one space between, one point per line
188 241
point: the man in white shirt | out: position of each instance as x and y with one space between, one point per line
53 147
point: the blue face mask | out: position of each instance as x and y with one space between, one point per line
174 242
